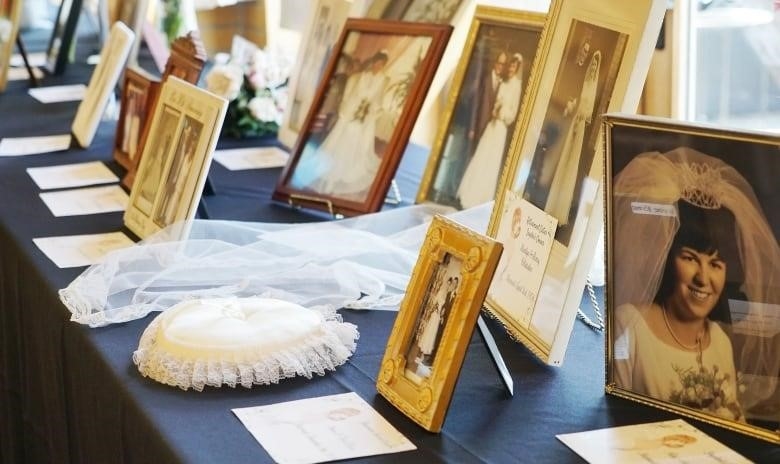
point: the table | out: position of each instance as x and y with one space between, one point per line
69 393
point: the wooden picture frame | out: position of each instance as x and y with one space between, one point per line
433 328
186 61
10 15
350 148
140 89
323 30
593 57
496 38
62 38
183 135
693 262
102 84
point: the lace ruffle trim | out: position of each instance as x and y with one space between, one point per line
315 355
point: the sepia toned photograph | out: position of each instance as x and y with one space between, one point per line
323 32
433 329
10 14
695 310
471 148
365 109
433 313
570 132
175 161
138 91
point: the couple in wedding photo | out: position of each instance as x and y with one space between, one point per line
497 104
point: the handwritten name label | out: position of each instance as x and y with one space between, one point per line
653 209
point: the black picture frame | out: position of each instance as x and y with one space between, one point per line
61 42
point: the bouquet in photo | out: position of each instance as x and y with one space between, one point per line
256 89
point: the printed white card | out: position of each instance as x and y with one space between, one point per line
72 175
20 146
251 158
59 93
20 74
322 429
528 239
661 442
36 59
91 200
81 250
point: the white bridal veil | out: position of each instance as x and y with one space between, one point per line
644 218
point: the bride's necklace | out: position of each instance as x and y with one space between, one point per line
699 337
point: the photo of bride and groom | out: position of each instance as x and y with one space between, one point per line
476 143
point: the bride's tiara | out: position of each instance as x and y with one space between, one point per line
702 185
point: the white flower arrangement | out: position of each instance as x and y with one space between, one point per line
256 90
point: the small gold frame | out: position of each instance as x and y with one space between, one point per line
428 342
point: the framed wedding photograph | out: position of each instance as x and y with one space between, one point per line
186 62
138 92
326 20
10 15
102 84
693 267
472 143
422 11
183 133
432 331
360 120
593 57
62 38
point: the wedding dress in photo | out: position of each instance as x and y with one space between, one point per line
481 176
565 178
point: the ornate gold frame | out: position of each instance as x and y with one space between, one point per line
6 49
426 402
523 22
638 24
695 136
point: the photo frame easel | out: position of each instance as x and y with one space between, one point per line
372 89
62 40
593 57
186 61
432 331
692 262
10 15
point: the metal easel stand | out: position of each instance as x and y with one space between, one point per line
23 51
299 201
598 324
394 196
495 355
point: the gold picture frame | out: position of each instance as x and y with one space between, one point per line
693 262
433 328
593 57
183 134
10 15
497 37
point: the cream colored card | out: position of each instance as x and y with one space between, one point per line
92 200
59 93
81 250
72 175
36 59
20 74
20 146
322 429
528 239
667 442
251 158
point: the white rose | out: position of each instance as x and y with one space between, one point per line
225 80
264 109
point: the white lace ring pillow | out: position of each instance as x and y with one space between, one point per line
241 341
